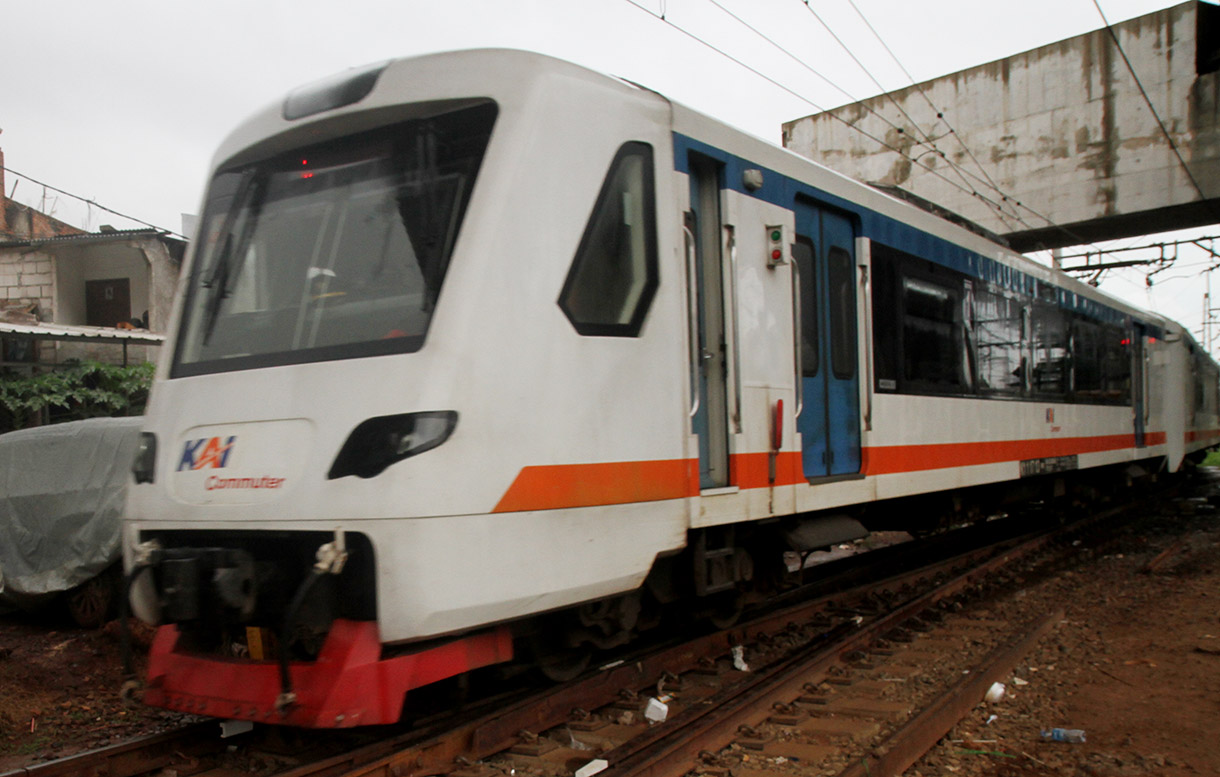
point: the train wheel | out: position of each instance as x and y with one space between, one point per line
91 603
560 666
727 609
555 656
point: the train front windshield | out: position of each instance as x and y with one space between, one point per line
331 251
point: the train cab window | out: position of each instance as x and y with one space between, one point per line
614 274
335 250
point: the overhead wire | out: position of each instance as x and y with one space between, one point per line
1173 146
854 99
89 202
939 113
928 139
957 136
1000 214
807 100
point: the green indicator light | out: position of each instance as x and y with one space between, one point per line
775 235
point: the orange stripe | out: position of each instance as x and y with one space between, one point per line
753 470
622 482
584 485
1204 434
885 460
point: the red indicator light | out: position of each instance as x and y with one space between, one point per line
776 254
307 175
1125 341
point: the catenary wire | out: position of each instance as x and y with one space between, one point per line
1147 101
810 102
929 140
957 136
91 203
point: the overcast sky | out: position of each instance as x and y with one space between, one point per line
123 101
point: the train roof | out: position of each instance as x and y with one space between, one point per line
499 73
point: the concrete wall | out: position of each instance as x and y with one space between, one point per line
97 263
1063 130
53 275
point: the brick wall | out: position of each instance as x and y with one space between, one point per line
27 278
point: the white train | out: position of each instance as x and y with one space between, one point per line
481 353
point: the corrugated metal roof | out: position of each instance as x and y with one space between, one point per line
89 237
72 333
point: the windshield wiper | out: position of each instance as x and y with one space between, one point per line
249 195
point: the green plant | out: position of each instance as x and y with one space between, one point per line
85 390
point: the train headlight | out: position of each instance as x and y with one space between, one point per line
379 442
144 466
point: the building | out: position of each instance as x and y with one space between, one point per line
69 294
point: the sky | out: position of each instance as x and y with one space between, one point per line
123 102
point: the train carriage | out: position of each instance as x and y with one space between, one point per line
480 353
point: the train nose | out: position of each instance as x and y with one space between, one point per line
244 463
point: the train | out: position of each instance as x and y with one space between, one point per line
482 357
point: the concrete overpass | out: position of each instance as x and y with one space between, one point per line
1059 145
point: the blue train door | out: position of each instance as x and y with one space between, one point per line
829 423
710 421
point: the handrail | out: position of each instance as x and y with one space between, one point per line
731 241
692 309
796 338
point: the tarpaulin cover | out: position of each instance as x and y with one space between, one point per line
62 489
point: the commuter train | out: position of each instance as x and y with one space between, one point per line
483 357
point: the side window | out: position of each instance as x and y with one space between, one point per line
921 337
802 252
842 313
614 274
1050 350
887 346
1116 366
1087 347
999 334
933 336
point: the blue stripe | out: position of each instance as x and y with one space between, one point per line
783 191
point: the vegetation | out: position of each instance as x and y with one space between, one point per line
85 390
1212 460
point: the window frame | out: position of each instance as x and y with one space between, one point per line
635 324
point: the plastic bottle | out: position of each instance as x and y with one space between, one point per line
1063 735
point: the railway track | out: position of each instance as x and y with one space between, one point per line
859 678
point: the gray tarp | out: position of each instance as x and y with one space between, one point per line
62 489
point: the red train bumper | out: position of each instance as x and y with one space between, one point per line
348 685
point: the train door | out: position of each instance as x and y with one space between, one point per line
710 420
1139 381
824 253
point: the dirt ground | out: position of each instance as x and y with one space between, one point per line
59 690
1135 664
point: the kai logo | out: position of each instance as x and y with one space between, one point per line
207 452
